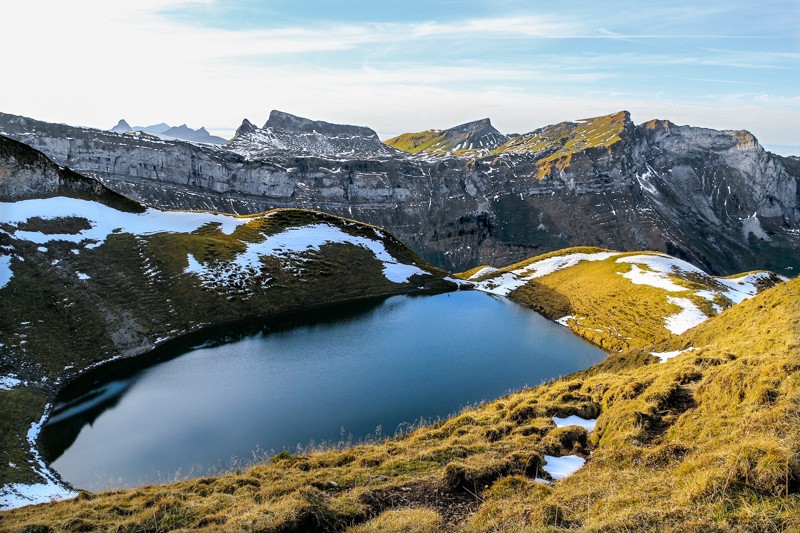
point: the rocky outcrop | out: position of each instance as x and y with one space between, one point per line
715 198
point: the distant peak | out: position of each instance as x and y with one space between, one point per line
245 128
474 126
286 121
122 126
294 124
622 116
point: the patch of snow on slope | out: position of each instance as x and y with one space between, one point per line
743 287
106 220
561 467
659 268
502 285
666 356
13 495
5 270
304 239
554 264
660 280
574 420
481 272
689 317
564 320
9 382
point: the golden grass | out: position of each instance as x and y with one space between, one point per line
609 309
709 440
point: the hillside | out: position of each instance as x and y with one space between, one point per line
619 300
707 440
87 276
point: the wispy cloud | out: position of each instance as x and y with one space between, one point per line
145 60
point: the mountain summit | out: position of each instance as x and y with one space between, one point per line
478 137
284 132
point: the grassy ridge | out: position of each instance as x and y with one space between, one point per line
607 308
553 147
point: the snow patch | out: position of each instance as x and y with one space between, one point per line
13 495
9 382
561 467
83 276
659 268
564 320
666 356
301 239
5 270
106 220
689 317
502 285
574 420
481 272
743 287
660 280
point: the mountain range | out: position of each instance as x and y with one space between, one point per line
470 195
165 131
690 422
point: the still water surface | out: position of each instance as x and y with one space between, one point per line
337 372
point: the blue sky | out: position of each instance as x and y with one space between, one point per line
407 66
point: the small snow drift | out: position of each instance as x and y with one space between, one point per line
561 467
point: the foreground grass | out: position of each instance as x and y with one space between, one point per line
708 440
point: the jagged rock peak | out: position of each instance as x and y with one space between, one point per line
294 124
245 128
122 126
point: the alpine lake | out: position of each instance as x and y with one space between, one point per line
331 376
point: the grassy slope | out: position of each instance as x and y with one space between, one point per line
552 146
610 310
54 324
708 440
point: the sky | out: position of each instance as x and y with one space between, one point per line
405 66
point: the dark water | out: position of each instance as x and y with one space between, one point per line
340 371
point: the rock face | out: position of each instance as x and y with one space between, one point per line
715 198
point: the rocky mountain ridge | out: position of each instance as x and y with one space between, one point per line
292 135
715 198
